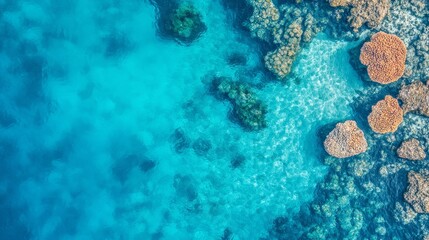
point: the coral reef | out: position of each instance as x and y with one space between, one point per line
415 98
404 214
385 57
297 26
339 3
362 12
345 140
417 193
280 61
249 110
343 204
185 23
287 28
407 20
386 115
264 19
360 167
411 150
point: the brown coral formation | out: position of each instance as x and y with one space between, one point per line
411 150
287 27
363 11
345 140
408 20
264 18
280 61
297 27
415 98
339 3
417 193
385 57
386 115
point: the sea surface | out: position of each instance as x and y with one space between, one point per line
102 122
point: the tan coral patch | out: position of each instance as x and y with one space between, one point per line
385 57
386 115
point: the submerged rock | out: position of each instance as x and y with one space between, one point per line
247 108
386 115
415 98
411 150
384 55
345 140
417 193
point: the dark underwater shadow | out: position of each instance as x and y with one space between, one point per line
238 12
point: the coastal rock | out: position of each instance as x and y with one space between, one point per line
384 55
417 193
386 115
411 150
345 140
415 98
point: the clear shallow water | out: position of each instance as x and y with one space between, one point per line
91 93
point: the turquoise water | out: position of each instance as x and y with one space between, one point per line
94 102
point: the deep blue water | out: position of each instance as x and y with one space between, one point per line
94 102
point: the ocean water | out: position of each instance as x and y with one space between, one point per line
108 130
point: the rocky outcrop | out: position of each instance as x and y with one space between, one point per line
386 115
345 140
415 98
417 193
385 57
411 150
